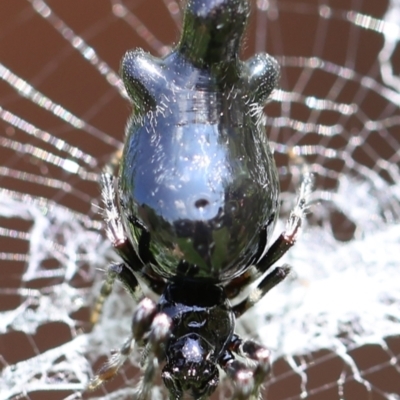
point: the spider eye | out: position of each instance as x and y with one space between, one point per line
198 380
191 367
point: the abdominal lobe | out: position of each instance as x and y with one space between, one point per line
197 173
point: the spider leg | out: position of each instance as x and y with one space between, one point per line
288 238
133 265
154 353
269 282
129 281
111 367
147 381
247 380
148 326
281 245
116 233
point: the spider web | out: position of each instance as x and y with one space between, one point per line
333 327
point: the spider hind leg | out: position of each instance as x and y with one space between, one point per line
281 245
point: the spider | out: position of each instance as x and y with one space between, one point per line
193 205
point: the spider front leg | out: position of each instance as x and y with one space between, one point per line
148 327
129 281
247 381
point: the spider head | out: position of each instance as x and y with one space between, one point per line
190 368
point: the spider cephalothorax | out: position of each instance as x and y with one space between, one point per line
202 325
197 198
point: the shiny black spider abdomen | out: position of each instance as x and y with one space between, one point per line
198 184
194 205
